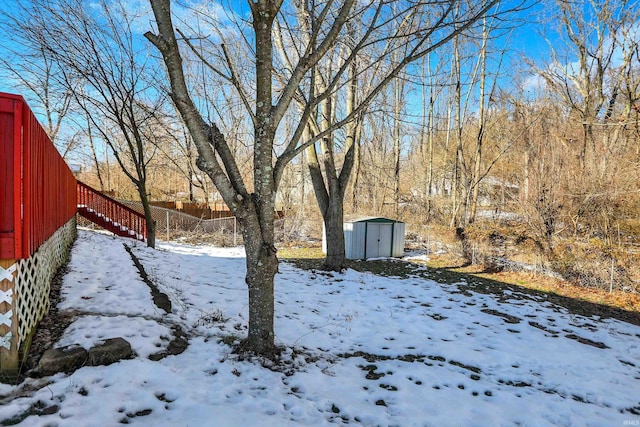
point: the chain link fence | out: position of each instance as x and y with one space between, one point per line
494 254
175 225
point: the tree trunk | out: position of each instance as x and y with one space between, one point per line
255 211
397 110
151 224
330 201
430 138
262 266
355 202
258 223
456 188
333 215
430 166
334 230
481 124
94 157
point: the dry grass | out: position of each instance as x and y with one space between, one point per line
629 301
624 300
446 268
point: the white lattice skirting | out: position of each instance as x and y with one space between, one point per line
33 282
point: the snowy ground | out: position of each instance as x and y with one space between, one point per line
362 349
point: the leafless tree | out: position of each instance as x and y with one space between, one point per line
593 74
33 72
590 86
106 69
254 210
373 57
276 85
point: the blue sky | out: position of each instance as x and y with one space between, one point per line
525 39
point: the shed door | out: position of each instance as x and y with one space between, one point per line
379 238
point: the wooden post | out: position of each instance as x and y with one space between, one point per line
9 349
613 269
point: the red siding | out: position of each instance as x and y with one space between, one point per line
38 190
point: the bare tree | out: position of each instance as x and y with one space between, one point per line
254 210
593 75
396 37
428 128
590 86
270 99
100 62
26 63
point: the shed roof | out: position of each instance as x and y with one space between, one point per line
374 219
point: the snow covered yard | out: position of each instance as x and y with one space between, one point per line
362 349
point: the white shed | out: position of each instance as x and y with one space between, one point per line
372 237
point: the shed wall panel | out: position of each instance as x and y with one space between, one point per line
371 240
348 240
385 241
324 239
356 246
398 240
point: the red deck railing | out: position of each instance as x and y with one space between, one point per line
37 188
110 214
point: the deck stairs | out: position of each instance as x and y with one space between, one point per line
110 214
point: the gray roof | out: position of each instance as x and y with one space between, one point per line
374 219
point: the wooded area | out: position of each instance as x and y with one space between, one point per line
424 112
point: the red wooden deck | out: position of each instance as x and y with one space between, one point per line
37 188
38 192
